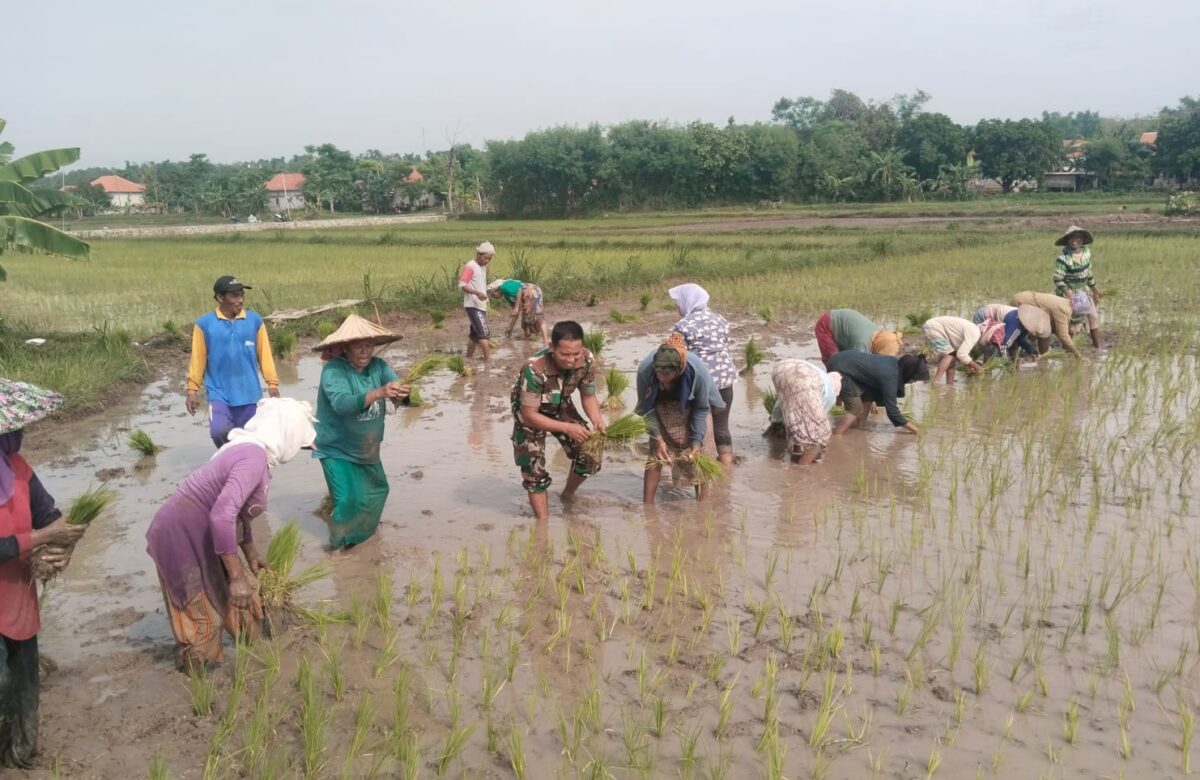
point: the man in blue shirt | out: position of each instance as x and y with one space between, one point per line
230 347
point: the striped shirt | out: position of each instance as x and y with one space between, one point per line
1073 271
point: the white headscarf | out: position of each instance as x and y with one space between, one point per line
689 298
280 426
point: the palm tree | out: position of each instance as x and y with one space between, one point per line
889 171
21 209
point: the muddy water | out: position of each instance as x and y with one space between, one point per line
945 601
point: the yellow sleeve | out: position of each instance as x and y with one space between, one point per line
266 361
199 359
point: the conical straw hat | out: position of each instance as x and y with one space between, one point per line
22 404
356 328
1062 240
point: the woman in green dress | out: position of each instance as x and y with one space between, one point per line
526 300
351 410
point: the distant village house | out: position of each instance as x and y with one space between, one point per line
283 191
402 201
122 193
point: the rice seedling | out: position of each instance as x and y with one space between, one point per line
516 751
644 301
458 365
437 318
935 760
767 314
687 751
1071 721
725 709
407 752
622 432
333 668
751 356
620 317
277 585
594 341
617 383
84 510
706 469
1187 726
140 442
159 768
202 687
769 399
456 738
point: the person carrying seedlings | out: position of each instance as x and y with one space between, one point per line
1073 273
676 394
472 280
1010 335
195 536
351 396
805 392
875 379
706 335
841 329
543 402
526 300
230 347
1059 311
951 339
29 519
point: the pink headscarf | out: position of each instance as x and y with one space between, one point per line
993 332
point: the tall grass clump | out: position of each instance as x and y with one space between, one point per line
140 442
617 383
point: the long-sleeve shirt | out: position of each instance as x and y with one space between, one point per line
1073 271
347 427
473 278
698 394
228 355
206 517
877 376
962 335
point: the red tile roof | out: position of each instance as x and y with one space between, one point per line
111 184
1150 137
285 181
414 177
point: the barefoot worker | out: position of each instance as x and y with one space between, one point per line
351 412
875 379
526 300
28 520
1073 273
194 538
472 280
804 394
542 402
230 348
706 335
675 395
1059 311
841 329
951 339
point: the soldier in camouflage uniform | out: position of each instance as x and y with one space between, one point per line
542 403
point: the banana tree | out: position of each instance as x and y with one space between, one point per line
22 209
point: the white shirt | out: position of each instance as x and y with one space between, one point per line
473 277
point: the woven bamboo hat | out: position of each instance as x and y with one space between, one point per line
22 404
1035 320
356 328
1065 237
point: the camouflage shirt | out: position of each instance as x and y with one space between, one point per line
541 383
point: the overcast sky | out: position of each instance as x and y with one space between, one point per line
150 80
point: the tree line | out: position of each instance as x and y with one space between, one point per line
842 148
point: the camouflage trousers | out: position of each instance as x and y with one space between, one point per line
529 453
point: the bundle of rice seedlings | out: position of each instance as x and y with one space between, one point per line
644 301
706 469
415 398
1055 354
767 314
459 366
277 585
140 442
997 362
659 463
83 511
620 317
913 321
423 368
437 318
593 341
623 431
284 342
769 398
617 383
752 355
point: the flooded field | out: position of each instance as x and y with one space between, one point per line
1015 593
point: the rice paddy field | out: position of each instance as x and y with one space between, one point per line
1013 593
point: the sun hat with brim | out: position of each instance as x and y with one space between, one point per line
23 404
1034 320
356 328
1065 237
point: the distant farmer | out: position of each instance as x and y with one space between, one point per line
1010 335
875 379
230 347
29 519
676 394
805 392
351 409
952 339
1073 273
526 300
195 537
542 402
1059 311
706 335
841 329
473 283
